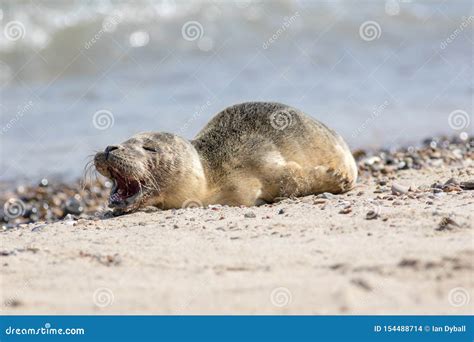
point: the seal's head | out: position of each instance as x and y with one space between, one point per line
148 168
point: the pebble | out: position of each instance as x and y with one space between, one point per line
250 214
451 181
74 206
469 185
326 195
51 200
447 223
38 228
346 210
371 215
398 189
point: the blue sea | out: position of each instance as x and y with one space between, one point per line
76 76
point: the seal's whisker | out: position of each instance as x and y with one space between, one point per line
89 170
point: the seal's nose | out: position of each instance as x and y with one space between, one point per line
109 149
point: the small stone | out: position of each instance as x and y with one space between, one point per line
371 215
398 189
38 228
451 181
371 160
408 263
451 188
447 223
74 206
469 185
346 210
326 195
250 214
281 211
150 209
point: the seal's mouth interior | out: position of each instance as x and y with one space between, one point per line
124 191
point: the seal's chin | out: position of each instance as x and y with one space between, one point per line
125 192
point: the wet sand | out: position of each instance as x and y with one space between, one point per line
400 243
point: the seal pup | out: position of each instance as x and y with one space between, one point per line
248 154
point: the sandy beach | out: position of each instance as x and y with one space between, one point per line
400 243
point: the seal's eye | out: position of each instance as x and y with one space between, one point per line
150 149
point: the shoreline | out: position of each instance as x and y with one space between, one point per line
399 243
51 200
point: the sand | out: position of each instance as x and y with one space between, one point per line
300 256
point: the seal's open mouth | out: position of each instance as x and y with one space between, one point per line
124 192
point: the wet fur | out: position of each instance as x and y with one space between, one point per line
239 158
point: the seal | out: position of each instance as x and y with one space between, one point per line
248 154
